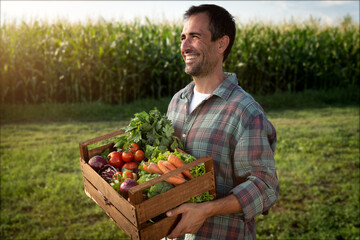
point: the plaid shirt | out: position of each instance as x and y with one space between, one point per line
232 128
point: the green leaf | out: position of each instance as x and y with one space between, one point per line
137 137
150 137
168 130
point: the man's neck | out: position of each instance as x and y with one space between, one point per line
208 84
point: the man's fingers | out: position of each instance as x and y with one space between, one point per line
189 222
171 213
175 211
176 232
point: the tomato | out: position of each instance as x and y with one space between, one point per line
130 166
133 147
115 159
128 174
139 155
127 156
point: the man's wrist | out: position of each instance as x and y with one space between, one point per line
227 205
208 209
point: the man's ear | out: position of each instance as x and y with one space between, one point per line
223 43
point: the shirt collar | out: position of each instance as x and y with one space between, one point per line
223 91
188 91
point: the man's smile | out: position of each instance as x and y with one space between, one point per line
191 58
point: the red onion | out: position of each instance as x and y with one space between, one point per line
126 185
97 162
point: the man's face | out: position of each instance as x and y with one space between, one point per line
197 49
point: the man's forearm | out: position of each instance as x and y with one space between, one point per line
226 205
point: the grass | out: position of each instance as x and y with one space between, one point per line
83 112
42 194
318 165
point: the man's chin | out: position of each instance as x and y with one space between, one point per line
192 71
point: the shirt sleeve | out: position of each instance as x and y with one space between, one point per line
254 158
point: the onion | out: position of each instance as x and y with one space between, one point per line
97 162
126 185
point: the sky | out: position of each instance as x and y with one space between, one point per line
328 12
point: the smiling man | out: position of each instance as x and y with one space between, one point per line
214 116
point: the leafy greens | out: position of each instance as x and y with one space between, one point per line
153 128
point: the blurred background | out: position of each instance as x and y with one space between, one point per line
330 12
60 51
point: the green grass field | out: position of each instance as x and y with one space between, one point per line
42 194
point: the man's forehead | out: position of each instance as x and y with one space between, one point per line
197 23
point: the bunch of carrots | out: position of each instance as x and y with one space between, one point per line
163 167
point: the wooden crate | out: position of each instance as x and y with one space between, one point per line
133 216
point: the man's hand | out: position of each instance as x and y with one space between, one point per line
193 217
195 214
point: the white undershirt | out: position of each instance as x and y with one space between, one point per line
197 99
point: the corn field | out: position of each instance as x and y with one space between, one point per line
116 62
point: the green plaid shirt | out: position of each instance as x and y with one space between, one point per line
232 128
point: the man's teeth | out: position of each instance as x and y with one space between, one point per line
190 57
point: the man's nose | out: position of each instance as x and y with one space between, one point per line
185 44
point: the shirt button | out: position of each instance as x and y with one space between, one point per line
184 135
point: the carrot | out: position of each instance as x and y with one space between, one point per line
162 167
177 162
171 167
174 179
153 168
146 167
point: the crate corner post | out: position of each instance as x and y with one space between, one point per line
84 152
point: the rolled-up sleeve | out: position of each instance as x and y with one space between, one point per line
254 158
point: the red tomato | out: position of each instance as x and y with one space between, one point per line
128 174
130 166
139 155
133 147
115 159
127 156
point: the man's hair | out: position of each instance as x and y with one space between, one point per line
221 23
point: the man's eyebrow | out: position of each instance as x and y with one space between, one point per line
191 34
194 33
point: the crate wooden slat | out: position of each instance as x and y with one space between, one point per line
174 197
160 229
111 210
111 195
133 216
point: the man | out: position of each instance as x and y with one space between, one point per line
213 115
